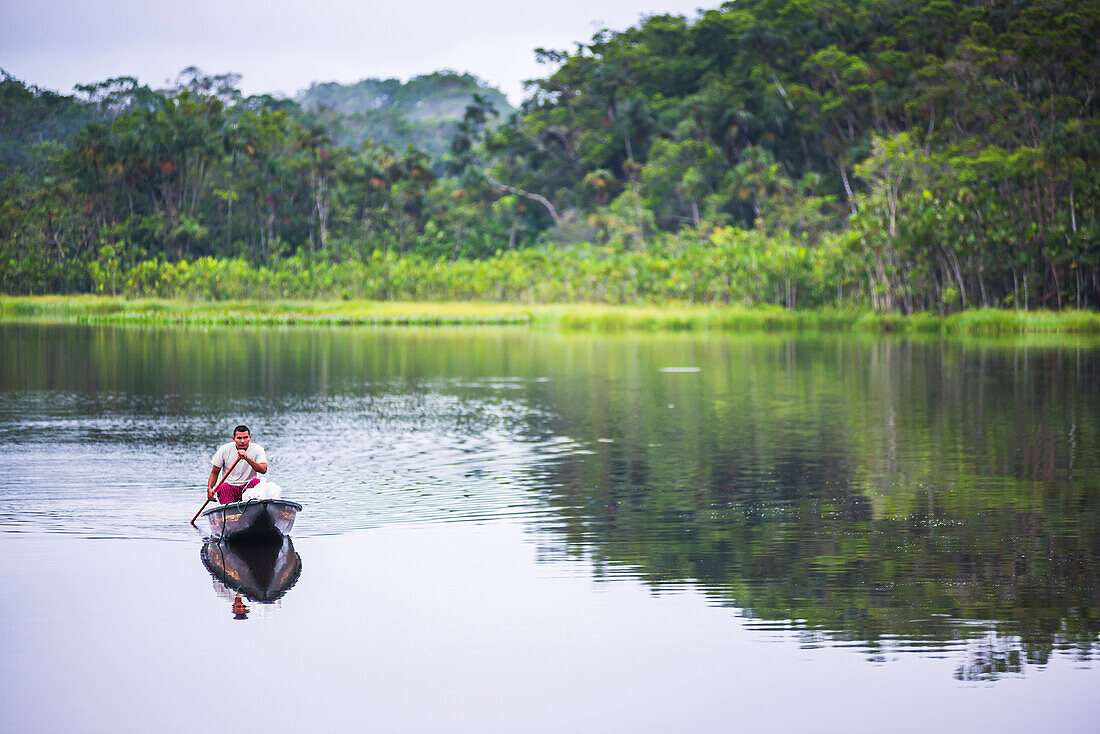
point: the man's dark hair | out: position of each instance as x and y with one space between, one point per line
241 429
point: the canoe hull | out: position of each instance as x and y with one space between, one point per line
252 520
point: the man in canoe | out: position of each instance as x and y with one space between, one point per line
250 459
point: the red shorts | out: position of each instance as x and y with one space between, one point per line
232 492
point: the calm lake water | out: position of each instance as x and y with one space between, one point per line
512 530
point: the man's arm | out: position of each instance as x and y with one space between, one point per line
259 466
214 471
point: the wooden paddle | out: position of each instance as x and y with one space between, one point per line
222 480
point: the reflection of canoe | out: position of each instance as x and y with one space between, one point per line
252 519
261 570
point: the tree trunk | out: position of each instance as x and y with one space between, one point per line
981 287
1057 284
1072 213
954 261
847 186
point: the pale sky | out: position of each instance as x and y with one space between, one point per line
283 45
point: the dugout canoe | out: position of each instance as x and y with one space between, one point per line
262 570
252 519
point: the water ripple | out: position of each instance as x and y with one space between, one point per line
128 468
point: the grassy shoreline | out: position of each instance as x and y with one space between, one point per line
596 317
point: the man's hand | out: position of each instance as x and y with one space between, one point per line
212 482
259 467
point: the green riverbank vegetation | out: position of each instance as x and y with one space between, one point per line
902 158
584 316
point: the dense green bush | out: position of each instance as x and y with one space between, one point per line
732 266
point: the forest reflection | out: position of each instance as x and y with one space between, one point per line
900 495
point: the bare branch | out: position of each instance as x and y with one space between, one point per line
527 195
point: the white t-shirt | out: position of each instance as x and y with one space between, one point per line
243 472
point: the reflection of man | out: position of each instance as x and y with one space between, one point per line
240 611
253 461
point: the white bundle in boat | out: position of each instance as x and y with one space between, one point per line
265 490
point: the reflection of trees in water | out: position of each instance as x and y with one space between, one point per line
991 659
883 492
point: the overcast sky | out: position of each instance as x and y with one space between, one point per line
283 45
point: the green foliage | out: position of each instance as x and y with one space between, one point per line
35 124
770 115
730 267
909 158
